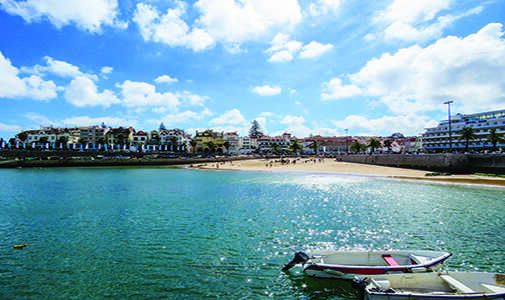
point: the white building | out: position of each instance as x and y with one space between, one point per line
436 139
234 140
247 144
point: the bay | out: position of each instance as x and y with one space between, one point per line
190 234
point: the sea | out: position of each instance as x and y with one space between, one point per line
166 233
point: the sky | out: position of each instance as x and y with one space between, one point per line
306 67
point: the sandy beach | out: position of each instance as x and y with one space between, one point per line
338 167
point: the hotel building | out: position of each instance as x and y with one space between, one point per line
436 139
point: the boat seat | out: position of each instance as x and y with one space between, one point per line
390 260
494 288
456 284
419 260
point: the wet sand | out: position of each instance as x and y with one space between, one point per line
337 167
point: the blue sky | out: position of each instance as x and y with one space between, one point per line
301 66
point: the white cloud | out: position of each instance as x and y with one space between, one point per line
315 50
283 49
106 70
417 21
234 22
12 86
144 94
89 15
407 124
230 117
471 70
169 28
10 128
39 119
185 117
191 99
267 114
292 120
334 90
165 79
230 22
82 91
322 7
89 121
267 90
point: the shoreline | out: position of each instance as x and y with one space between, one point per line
329 166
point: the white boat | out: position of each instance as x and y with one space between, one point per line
434 285
348 264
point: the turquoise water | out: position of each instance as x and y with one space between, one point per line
173 233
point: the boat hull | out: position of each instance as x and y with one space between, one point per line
317 267
435 286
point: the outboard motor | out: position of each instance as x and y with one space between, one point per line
300 257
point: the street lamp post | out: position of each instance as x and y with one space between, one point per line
449 117
346 141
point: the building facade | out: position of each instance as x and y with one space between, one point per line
203 137
437 139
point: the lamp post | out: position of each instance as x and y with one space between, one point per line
346 141
449 117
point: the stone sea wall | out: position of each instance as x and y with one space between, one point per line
455 163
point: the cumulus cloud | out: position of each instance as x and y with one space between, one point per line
410 124
170 28
322 7
315 50
230 117
335 90
229 22
417 21
165 79
106 70
82 91
267 90
185 117
145 94
282 49
88 15
13 86
471 70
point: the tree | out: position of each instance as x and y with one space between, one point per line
101 140
373 144
173 142
275 148
356 147
64 140
193 144
255 130
43 140
468 133
295 147
211 145
227 145
494 138
121 137
82 141
388 143
22 136
162 127
314 146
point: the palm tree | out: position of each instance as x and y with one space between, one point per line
211 145
495 138
227 145
388 143
22 136
193 144
275 148
373 144
468 133
314 146
295 147
356 147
